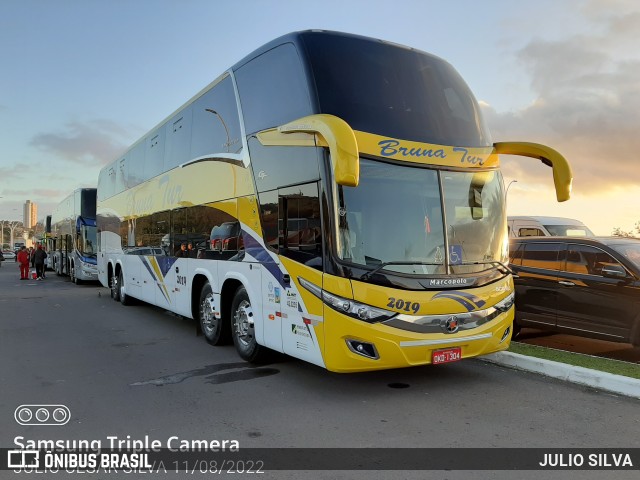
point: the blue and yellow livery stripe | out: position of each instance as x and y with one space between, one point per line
158 267
467 300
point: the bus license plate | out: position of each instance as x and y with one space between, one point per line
447 355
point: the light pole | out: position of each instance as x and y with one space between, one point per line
12 226
2 222
507 190
228 144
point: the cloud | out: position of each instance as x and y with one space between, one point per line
587 105
85 143
18 171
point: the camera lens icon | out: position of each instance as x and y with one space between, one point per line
42 414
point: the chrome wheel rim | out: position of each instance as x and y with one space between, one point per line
243 323
207 315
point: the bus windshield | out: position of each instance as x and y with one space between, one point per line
88 240
396 216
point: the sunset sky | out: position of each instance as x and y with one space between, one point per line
81 80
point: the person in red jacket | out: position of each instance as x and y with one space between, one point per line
23 261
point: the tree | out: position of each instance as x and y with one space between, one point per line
618 232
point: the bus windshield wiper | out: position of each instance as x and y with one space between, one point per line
501 266
368 275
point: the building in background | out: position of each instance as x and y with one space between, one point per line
30 214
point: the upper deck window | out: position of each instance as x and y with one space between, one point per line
393 91
273 89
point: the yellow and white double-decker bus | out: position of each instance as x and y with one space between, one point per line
333 197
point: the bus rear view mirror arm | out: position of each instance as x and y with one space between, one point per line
562 176
330 131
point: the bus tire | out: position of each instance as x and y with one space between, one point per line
124 298
72 273
215 330
242 329
115 290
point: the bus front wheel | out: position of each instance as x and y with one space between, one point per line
243 331
215 330
74 277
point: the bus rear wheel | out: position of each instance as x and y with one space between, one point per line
124 298
115 290
243 331
215 329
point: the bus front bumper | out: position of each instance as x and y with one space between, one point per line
347 347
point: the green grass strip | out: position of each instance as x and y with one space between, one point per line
616 367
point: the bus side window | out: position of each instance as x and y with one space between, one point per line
224 236
300 229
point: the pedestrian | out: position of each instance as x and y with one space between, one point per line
38 260
23 263
32 257
44 268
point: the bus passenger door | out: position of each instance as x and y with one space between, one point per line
271 272
300 248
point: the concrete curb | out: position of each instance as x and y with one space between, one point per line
580 375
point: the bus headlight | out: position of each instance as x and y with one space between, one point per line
354 309
505 304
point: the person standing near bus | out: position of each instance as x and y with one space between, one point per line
23 263
38 259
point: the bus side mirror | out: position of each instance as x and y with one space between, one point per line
562 176
329 131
